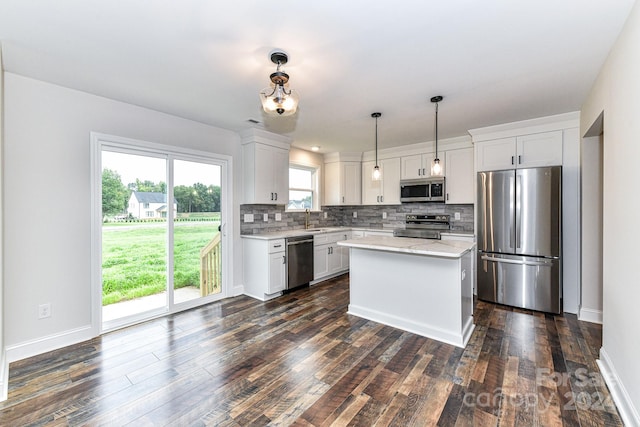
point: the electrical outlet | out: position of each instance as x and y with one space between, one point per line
44 310
325 215
456 215
384 215
248 217
278 216
265 217
355 214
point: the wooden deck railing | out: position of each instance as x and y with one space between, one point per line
210 266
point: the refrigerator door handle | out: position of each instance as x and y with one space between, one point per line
512 237
515 261
518 210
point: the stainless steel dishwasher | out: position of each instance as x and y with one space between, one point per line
299 261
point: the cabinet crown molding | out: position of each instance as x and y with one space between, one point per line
265 137
526 127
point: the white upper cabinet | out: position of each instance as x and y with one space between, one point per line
540 149
265 168
460 177
417 166
385 191
342 183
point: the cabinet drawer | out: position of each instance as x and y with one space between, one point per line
276 245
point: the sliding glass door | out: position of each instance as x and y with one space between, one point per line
161 228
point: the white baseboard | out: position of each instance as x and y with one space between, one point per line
237 290
590 315
628 412
48 343
4 376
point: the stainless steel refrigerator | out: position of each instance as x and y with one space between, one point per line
520 238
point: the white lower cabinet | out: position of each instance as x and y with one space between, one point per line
465 238
265 268
328 258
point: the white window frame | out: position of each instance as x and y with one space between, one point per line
315 193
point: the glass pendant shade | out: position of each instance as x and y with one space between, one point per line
436 167
276 100
376 175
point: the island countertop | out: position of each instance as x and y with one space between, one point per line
427 247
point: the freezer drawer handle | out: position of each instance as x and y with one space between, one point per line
513 261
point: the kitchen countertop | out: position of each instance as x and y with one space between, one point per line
427 247
301 232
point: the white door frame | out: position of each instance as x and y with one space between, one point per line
100 141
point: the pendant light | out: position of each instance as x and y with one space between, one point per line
376 175
436 167
276 99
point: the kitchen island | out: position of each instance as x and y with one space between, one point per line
419 285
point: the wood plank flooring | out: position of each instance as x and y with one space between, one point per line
300 360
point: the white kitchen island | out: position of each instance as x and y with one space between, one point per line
418 285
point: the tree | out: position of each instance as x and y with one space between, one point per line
114 194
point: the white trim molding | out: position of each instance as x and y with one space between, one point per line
590 315
621 398
49 343
4 376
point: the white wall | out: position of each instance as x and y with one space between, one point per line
591 189
47 198
616 92
3 363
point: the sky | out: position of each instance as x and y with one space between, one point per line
130 167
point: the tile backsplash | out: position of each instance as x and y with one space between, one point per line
367 216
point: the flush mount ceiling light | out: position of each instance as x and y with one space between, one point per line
278 99
376 175
436 167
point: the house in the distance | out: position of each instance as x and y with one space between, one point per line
149 205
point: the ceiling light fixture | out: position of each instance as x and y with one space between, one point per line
276 99
315 148
376 175
436 167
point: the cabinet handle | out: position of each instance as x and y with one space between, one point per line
277 246
513 160
419 173
276 195
447 196
342 199
381 199
284 259
424 172
519 160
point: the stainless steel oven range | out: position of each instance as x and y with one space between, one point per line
424 226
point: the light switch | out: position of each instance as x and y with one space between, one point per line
384 215
456 215
265 217
248 217
355 214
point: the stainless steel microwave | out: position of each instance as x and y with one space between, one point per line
422 190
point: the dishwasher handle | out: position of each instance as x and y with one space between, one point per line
299 242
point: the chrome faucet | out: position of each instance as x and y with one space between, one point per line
306 219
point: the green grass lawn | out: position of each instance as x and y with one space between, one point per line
134 261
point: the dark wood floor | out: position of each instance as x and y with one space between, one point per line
301 360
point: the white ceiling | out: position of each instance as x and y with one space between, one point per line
494 61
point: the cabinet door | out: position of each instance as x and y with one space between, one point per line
320 261
280 175
371 190
460 180
264 192
335 258
541 149
497 154
351 183
411 167
332 184
277 272
390 181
